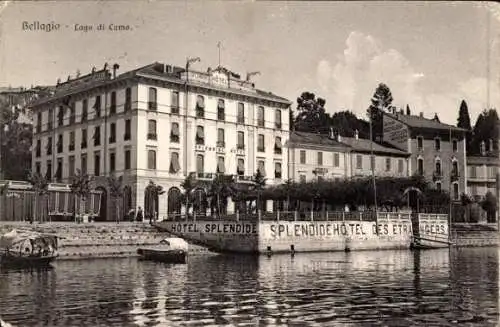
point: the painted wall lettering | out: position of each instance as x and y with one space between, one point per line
335 229
219 228
428 228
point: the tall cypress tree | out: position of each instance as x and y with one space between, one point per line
381 100
464 117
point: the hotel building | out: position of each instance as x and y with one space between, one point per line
159 123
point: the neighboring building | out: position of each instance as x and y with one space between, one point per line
318 156
481 176
437 149
160 123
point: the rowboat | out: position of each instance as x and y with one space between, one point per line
171 250
25 249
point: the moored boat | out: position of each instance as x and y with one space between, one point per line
172 250
19 248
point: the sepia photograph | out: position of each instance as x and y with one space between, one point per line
249 163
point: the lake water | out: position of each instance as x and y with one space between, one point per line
387 288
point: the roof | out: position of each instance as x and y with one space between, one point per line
154 70
314 139
483 160
422 122
365 145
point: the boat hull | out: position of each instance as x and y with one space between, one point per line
165 256
26 261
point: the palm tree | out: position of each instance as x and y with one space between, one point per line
259 183
40 186
80 188
188 185
115 186
219 190
153 191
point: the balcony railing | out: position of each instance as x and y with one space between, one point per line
83 145
152 105
261 149
152 136
240 119
277 125
221 144
126 137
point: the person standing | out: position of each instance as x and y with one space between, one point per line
139 216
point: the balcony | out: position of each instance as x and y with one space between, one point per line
112 139
260 123
240 120
200 113
174 110
205 176
71 147
277 125
221 115
200 141
127 106
261 149
152 136
174 138
278 150
436 176
126 137
83 145
97 141
220 144
152 105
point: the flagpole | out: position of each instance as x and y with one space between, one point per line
372 165
450 208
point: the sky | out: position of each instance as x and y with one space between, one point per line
432 55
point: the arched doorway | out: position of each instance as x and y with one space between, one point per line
151 203
127 201
174 201
200 203
103 209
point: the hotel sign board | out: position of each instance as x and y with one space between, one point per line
395 132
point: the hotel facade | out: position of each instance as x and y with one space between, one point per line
159 123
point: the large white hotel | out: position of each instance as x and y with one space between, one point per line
160 123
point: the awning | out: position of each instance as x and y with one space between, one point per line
241 166
200 102
174 163
220 167
277 143
277 167
220 104
261 168
175 129
199 132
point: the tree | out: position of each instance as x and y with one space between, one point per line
381 101
80 186
489 204
485 129
346 123
219 190
408 111
153 192
188 185
40 186
463 121
259 183
115 186
311 116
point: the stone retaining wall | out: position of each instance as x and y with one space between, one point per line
99 239
475 238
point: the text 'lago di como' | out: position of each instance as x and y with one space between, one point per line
332 229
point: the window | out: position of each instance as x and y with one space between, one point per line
260 116
60 143
59 169
359 161
278 149
84 139
221 110
473 171
71 146
388 164
48 173
200 135
336 160
420 166
241 113
454 169
152 104
128 134
83 163
49 146
277 170
38 148
437 144
85 110
112 162
372 162
50 119
152 129
400 166
455 145
277 119
220 138
174 163
151 159
97 163
174 133
60 116
303 156
97 106
128 99
260 143
38 167
174 108
473 189
221 166
261 167
112 133
200 106
39 122
97 136
72 113
320 158
302 178
438 168
241 141
112 106
420 143
127 159
438 186
240 169
200 164
455 191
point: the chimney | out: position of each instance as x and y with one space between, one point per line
115 68
482 148
491 145
331 135
421 114
356 134
339 137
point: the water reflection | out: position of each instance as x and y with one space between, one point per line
396 288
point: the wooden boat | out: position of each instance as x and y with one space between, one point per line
24 249
172 250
